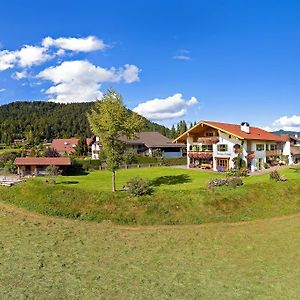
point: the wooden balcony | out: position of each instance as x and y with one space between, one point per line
273 153
200 154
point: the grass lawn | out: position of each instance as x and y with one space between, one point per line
181 197
51 258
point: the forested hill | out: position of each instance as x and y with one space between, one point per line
39 120
281 131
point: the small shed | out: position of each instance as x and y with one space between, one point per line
37 165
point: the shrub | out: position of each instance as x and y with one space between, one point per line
274 175
235 182
52 171
50 152
266 166
138 186
10 167
130 157
229 181
243 172
218 182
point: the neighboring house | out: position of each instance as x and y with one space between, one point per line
38 165
295 148
95 147
65 146
216 145
144 144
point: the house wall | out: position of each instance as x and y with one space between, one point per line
173 154
96 149
230 141
287 151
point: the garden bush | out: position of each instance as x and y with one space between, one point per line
229 181
138 186
243 172
274 175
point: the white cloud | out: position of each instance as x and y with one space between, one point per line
182 57
171 107
288 123
131 73
25 57
2 90
285 121
30 55
87 44
20 75
80 81
7 60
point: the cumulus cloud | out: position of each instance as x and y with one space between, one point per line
167 108
80 81
25 57
50 48
31 55
7 60
87 44
288 123
2 90
20 75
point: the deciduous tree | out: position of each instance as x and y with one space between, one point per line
110 120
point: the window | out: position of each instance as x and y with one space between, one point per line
209 133
229 136
207 148
260 147
222 147
273 147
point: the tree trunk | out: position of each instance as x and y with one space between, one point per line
113 181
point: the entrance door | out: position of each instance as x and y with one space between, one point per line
222 164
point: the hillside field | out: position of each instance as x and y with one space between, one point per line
49 258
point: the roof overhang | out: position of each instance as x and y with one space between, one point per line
184 136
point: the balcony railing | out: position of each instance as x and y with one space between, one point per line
273 152
200 154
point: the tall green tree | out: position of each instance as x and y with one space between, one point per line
110 120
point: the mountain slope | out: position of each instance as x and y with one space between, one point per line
281 131
40 120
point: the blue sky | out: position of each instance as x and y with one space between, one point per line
229 61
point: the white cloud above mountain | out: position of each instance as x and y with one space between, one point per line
174 106
80 81
291 123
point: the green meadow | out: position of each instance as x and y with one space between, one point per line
65 241
180 197
53 258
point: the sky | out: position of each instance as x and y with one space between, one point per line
229 61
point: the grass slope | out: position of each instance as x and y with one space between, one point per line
46 258
181 197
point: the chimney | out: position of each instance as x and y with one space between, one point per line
245 127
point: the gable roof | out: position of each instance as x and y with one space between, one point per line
151 139
43 161
65 145
235 130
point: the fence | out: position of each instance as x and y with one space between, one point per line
133 166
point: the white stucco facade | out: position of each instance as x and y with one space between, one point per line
255 152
